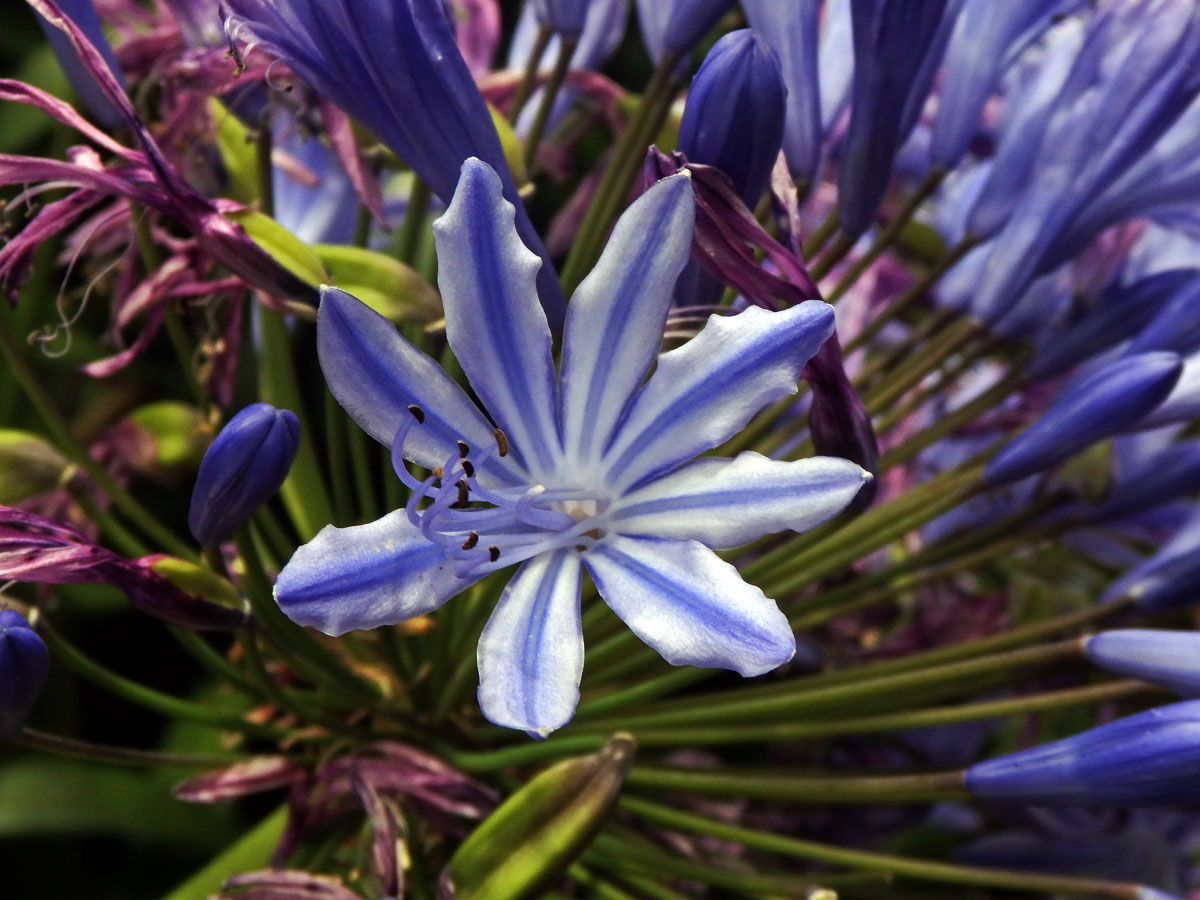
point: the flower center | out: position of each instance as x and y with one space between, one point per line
483 529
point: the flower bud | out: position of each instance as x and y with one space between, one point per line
1150 759
563 17
24 663
541 828
1167 476
677 25
243 468
1169 658
1109 401
28 466
734 114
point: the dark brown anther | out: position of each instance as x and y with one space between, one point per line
463 449
471 541
493 552
464 493
468 468
417 413
501 443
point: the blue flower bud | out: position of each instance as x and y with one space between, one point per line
1150 759
83 14
677 25
734 114
1109 401
24 663
563 17
1149 893
1169 658
1164 582
1176 325
242 469
1173 473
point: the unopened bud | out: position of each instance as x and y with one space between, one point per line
28 466
24 664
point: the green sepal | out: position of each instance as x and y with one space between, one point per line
29 466
538 831
282 246
394 290
514 151
198 581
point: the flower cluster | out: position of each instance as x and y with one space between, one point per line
436 440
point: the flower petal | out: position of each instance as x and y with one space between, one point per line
495 326
615 319
727 502
705 391
531 652
689 605
375 374
366 576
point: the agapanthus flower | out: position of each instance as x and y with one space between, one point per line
591 468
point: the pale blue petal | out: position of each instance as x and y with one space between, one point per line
494 323
375 374
365 576
708 389
615 319
727 502
689 605
531 652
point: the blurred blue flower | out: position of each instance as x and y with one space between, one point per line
1169 658
677 25
243 468
588 469
24 664
90 94
1148 759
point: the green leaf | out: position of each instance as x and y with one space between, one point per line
385 284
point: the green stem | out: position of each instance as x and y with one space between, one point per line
787 787
250 852
339 467
54 743
521 754
415 214
204 653
711 736
554 83
749 705
888 235
817 240
361 466
60 432
833 255
622 168
916 290
123 539
529 76
937 351
924 870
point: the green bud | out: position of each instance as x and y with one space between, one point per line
28 466
385 284
538 831
282 246
235 142
176 434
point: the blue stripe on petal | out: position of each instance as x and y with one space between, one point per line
727 502
493 321
615 319
531 652
689 605
375 374
365 576
708 389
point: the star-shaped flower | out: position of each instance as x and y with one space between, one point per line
591 469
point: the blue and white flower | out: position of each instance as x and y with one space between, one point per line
593 468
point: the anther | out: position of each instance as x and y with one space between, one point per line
439 472
501 443
463 449
468 468
471 541
463 494
417 413
493 552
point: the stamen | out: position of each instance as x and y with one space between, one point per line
471 541
463 449
493 552
501 442
464 494
417 413
468 468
